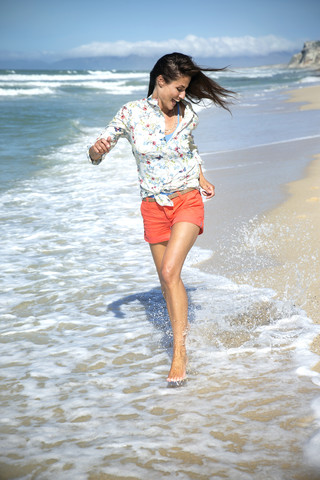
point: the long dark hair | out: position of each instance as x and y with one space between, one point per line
174 65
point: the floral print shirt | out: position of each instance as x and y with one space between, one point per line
163 166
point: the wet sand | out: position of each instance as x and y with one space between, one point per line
280 248
295 243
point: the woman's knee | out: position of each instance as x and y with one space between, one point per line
169 275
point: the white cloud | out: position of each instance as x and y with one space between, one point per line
191 45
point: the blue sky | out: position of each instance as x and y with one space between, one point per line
68 28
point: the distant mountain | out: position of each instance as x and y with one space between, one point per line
131 62
136 62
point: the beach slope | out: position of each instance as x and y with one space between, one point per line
295 241
291 235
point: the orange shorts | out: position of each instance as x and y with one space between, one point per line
158 220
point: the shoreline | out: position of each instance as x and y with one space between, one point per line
249 184
308 96
286 256
294 244
296 226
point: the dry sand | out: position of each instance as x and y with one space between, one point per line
309 96
285 253
296 231
290 236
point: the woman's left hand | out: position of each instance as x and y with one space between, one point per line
207 188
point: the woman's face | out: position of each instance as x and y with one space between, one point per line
169 94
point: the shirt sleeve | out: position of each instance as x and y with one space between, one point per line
194 149
116 129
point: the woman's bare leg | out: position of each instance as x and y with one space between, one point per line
169 258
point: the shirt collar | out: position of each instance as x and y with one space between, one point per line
154 103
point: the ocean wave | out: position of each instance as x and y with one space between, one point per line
119 75
119 88
250 73
46 84
10 92
71 76
36 87
311 79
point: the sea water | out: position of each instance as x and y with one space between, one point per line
86 341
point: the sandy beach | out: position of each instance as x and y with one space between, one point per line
297 224
294 244
281 248
308 96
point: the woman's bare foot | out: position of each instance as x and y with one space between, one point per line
179 365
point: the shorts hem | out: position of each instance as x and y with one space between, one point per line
167 238
189 221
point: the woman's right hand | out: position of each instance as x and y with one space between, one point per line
101 147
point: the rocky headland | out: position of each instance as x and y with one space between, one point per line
309 57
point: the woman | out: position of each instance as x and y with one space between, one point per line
159 129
